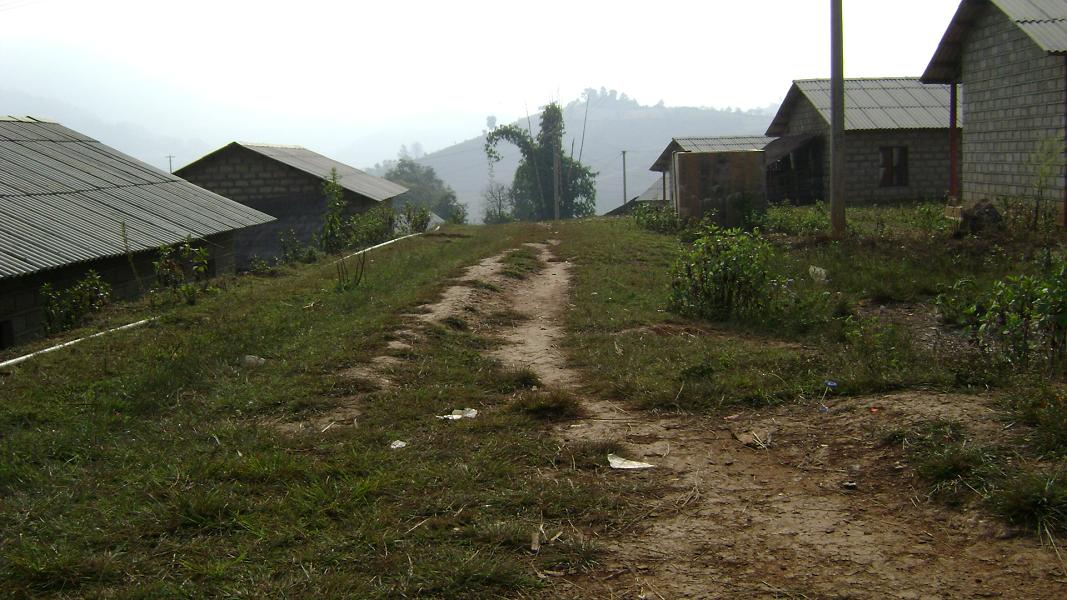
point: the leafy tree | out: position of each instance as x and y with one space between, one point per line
427 190
533 189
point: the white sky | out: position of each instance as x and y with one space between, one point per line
330 74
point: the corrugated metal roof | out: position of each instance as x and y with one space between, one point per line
1044 21
733 143
352 179
65 196
884 103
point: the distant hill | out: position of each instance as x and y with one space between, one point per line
615 123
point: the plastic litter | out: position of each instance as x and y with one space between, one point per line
466 413
397 444
618 462
818 274
251 360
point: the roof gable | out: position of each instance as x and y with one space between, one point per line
1043 21
883 103
734 143
66 198
313 163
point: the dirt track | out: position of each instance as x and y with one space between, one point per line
762 505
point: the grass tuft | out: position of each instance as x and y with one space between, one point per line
554 405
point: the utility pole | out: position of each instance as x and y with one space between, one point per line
837 120
625 196
555 180
170 163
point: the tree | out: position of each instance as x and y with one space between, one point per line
499 204
533 188
426 189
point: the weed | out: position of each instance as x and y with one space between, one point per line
554 405
483 285
519 264
660 219
68 308
518 379
1035 499
455 323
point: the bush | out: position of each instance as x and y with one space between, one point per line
177 264
796 220
724 276
1022 320
416 218
66 309
661 219
292 251
372 227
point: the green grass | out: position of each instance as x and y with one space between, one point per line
521 263
145 464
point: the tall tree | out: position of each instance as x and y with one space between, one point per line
425 188
533 189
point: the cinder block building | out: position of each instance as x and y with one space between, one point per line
897 142
286 183
1008 60
724 175
69 204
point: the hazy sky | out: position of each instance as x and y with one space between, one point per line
332 74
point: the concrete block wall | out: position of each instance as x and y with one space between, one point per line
928 158
1013 110
22 315
928 165
291 196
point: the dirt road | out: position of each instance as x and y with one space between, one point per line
793 502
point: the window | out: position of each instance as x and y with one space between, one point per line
894 166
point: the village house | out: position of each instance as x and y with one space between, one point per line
285 182
1007 60
720 174
897 142
69 204
653 196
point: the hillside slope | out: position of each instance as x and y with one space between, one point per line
615 123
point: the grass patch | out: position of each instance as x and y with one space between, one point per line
551 406
521 263
517 379
483 285
150 455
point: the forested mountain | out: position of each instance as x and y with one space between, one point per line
615 123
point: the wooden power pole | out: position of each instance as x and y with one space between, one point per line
837 120
625 196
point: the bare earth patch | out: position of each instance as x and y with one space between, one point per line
790 502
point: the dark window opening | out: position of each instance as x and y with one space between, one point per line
7 334
894 166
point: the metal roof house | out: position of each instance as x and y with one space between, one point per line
720 174
1010 56
69 204
286 182
897 140
653 195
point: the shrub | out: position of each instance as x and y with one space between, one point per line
292 251
796 220
661 219
177 264
725 275
1022 320
416 218
67 308
332 237
372 227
